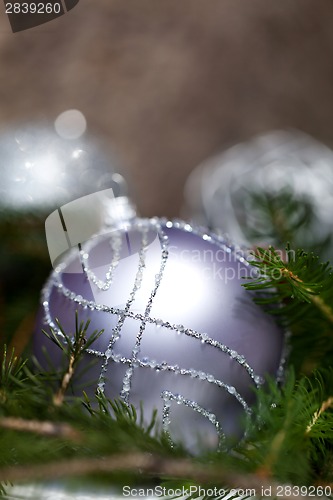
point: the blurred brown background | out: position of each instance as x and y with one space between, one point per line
167 83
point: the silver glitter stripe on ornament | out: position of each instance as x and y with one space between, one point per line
116 331
158 278
168 397
116 244
189 372
144 225
240 252
195 374
124 313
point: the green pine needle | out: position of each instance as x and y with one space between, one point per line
301 289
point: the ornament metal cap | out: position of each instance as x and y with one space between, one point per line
119 210
81 219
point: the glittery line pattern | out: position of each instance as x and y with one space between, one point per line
134 362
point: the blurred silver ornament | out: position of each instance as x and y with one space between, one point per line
43 167
273 188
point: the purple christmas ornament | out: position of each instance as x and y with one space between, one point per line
180 332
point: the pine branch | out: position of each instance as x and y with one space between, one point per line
11 366
73 349
301 277
283 445
325 406
326 310
153 466
47 429
290 438
279 445
300 289
10 372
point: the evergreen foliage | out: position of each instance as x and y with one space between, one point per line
45 433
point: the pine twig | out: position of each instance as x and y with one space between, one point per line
316 300
74 349
275 272
323 307
152 465
45 428
58 398
325 406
